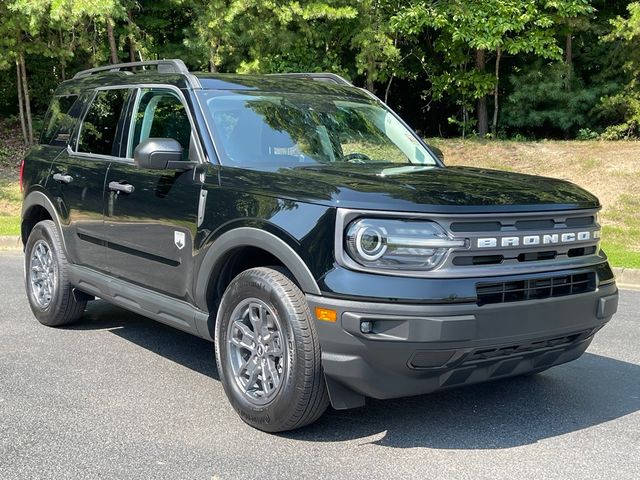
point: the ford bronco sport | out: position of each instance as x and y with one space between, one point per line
300 225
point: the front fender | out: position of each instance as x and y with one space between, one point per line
251 237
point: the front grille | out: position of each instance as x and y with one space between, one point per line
527 347
478 260
535 289
537 256
471 260
512 224
532 240
582 251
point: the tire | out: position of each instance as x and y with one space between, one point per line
300 396
57 306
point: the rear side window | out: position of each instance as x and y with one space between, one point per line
100 125
61 118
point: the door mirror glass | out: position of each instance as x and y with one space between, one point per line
159 154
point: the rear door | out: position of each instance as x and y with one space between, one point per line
78 174
151 228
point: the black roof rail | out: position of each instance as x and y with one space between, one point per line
321 77
162 66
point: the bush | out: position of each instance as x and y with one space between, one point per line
587 134
542 105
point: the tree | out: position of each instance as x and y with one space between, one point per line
441 63
477 28
262 36
35 27
375 42
627 102
542 101
18 35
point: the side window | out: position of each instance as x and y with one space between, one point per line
61 117
99 127
160 114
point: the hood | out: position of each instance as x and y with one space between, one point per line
425 189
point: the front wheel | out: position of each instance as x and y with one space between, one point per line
268 353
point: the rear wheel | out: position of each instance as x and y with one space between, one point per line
268 353
49 292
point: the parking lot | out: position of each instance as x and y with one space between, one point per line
119 396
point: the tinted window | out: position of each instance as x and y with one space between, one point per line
98 130
60 120
161 114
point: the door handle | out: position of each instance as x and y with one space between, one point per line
62 178
121 187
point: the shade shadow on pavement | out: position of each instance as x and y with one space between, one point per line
500 414
183 348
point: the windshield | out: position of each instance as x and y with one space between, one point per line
288 130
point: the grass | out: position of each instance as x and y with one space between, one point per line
621 233
10 201
9 225
609 170
12 150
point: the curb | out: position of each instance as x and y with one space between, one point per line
11 242
625 277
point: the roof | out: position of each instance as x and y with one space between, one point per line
175 73
281 83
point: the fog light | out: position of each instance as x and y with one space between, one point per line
366 327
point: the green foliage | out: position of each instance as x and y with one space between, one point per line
541 100
264 36
587 134
626 103
512 26
421 54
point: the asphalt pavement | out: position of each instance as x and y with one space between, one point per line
119 396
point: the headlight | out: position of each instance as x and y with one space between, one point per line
398 244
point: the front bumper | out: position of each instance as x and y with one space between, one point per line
417 349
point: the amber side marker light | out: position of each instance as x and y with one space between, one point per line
326 314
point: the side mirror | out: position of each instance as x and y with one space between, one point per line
437 152
160 154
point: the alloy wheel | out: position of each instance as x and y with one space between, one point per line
257 350
43 274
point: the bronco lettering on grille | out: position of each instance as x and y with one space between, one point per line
529 240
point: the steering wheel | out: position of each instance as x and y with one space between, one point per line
356 157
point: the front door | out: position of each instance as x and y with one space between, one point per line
78 174
151 215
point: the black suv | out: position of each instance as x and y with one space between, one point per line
299 224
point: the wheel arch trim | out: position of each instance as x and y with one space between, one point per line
251 237
39 199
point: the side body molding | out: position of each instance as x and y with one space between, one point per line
251 237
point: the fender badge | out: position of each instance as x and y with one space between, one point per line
179 239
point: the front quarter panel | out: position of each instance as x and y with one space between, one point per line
307 229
